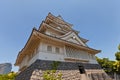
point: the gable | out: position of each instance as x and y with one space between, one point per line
72 37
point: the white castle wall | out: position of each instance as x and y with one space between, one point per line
43 54
24 62
51 32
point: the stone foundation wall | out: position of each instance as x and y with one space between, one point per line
69 70
66 75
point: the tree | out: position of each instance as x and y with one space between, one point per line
106 64
117 67
111 67
117 63
117 54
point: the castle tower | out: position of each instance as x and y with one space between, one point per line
56 40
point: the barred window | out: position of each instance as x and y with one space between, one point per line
49 48
57 50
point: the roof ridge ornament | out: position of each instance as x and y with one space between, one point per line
60 17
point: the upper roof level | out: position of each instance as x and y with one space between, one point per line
57 27
57 23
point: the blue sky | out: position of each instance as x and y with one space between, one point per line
97 20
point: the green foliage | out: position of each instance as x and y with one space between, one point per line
106 64
117 67
53 74
117 54
55 65
111 66
9 76
117 63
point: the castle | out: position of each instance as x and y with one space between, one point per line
56 40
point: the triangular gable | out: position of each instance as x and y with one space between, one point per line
72 37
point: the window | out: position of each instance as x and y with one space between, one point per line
48 33
91 56
57 50
59 27
49 48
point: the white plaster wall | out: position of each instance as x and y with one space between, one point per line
24 62
78 40
73 40
84 55
36 56
92 59
51 56
43 54
53 33
43 48
46 56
